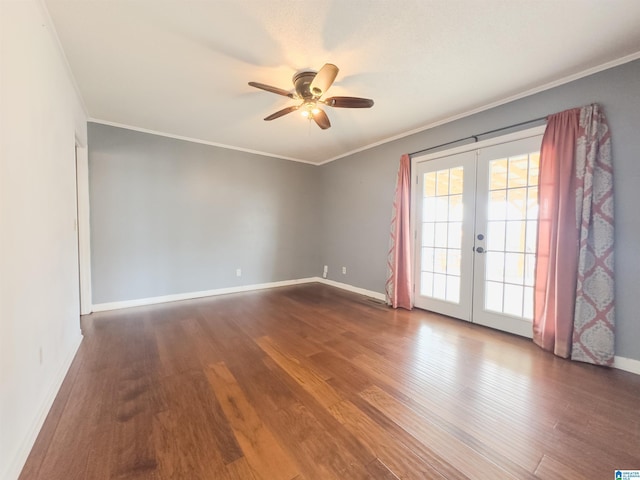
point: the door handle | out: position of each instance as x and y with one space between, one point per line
480 250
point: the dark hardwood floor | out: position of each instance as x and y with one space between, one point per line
311 382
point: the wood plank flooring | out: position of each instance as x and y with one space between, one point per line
311 382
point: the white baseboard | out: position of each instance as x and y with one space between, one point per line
102 307
627 364
351 288
13 472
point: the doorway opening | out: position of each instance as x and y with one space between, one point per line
475 212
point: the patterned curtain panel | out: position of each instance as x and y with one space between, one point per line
574 298
594 323
398 288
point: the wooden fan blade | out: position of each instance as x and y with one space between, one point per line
322 120
323 80
271 89
349 102
282 112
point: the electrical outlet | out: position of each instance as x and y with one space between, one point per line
344 270
238 272
325 271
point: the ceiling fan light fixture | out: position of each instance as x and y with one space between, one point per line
309 109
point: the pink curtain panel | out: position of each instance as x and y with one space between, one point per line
399 285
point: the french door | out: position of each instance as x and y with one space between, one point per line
476 218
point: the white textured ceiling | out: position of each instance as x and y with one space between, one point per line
181 67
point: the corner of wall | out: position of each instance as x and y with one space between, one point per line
15 467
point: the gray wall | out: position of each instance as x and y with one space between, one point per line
357 191
170 217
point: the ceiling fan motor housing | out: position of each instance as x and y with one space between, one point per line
302 82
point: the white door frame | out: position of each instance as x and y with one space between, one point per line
530 132
83 226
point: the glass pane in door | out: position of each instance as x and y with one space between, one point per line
511 235
442 212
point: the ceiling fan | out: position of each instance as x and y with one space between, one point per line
310 86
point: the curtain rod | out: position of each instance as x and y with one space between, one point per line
475 137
